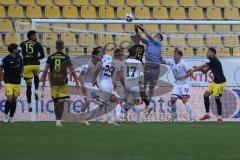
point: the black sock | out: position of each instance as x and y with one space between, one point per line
29 93
219 106
13 109
144 98
7 107
36 82
58 109
207 104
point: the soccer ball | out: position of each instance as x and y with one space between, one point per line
129 17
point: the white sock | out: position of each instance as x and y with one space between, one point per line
118 111
188 106
137 110
173 107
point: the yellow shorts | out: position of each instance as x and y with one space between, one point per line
12 89
31 70
60 91
216 89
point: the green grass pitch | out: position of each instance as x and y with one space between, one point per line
129 141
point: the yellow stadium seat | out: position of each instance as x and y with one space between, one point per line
43 28
52 12
116 3
168 28
86 39
231 41
177 40
214 40
44 3
3 48
6 25
187 51
236 51
133 3
167 51
187 28
222 3
76 51
195 40
202 51
96 27
2 12
204 3
114 28
187 3
195 13
122 11
106 12
34 12
76 27
59 27
80 2
169 3
177 13
151 3
165 40
88 12
26 2
102 40
160 13
70 12
49 39
213 13
231 13
15 12
223 52
151 27
236 28
69 39
62 2
7 2
204 28
123 41
236 3
10 38
142 13
98 2
222 28
129 27
22 25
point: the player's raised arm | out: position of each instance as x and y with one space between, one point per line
136 28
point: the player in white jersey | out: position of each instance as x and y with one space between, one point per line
135 83
87 75
181 72
111 70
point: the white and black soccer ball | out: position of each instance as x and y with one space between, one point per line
129 17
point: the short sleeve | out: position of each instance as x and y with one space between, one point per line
210 64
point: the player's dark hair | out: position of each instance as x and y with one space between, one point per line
12 47
96 51
132 52
59 45
160 35
212 50
179 52
117 52
30 33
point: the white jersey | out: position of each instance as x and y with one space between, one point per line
133 73
179 69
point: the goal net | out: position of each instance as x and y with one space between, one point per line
192 37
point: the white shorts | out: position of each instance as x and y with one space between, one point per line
106 89
180 90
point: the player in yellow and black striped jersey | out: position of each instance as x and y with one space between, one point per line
32 52
59 63
12 67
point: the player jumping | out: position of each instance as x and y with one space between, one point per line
59 63
181 72
12 65
215 88
30 52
